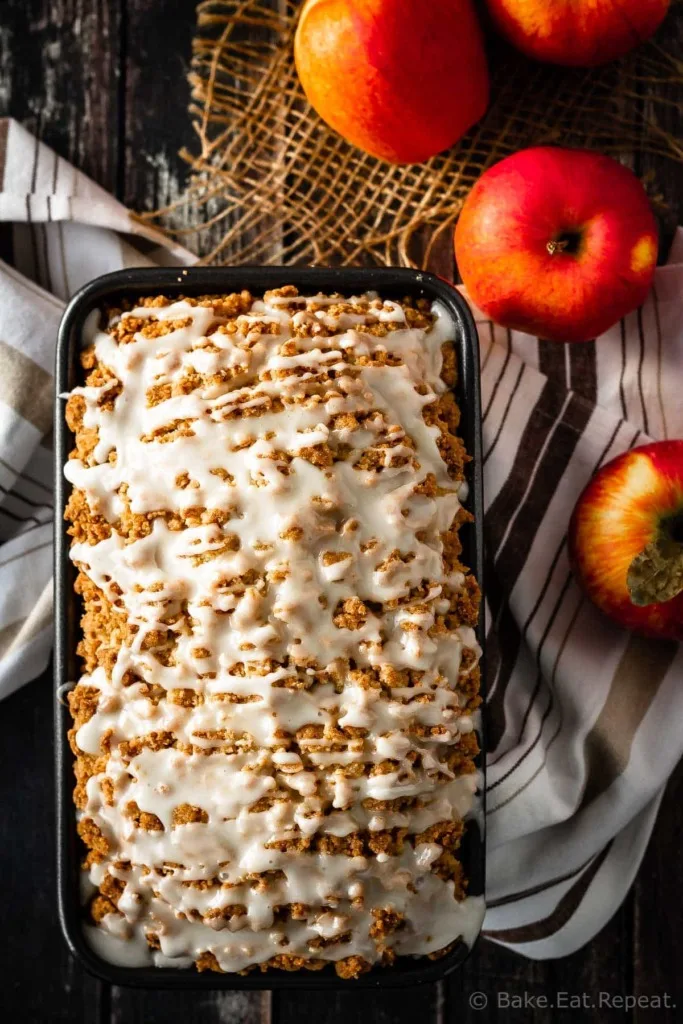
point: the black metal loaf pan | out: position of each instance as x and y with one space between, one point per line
389 283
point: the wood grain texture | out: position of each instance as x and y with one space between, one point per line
156 41
41 981
102 81
656 898
420 1004
131 1007
59 74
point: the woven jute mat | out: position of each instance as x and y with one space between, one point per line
270 183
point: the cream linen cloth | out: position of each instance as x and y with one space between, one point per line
583 719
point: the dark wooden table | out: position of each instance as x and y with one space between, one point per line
102 81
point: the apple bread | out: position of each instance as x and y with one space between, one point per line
274 732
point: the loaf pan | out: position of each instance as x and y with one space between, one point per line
389 283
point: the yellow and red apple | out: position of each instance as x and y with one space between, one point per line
401 79
577 33
626 539
560 243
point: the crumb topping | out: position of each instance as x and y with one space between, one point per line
273 732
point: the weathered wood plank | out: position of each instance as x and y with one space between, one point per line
658 929
384 1006
156 65
156 46
59 76
41 982
129 1006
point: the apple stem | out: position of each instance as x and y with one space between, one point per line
557 246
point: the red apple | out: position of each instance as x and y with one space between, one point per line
401 79
579 33
626 539
560 243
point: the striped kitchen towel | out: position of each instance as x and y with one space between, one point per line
584 720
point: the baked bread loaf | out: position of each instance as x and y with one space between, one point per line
273 734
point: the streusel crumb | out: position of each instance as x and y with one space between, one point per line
273 737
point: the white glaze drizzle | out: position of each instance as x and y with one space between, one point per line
307 538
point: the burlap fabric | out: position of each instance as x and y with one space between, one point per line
271 183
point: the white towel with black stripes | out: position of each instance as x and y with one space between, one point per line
584 720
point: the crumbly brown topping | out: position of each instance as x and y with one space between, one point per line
277 630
